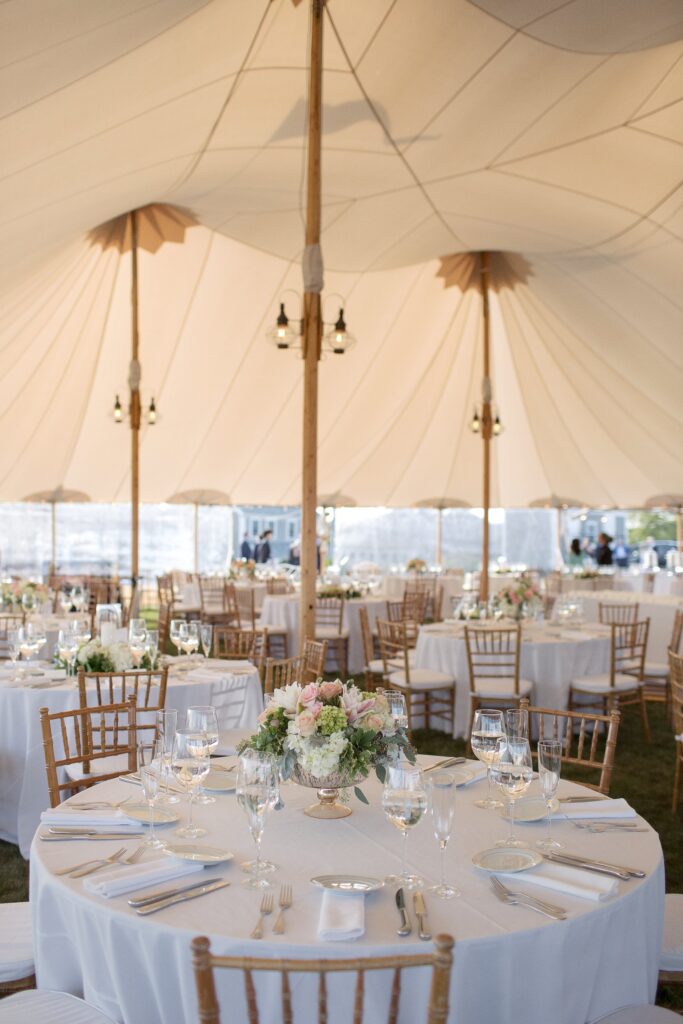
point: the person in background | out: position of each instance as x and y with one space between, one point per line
263 547
295 552
621 553
575 555
603 552
245 549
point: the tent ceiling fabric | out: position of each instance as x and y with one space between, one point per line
555 139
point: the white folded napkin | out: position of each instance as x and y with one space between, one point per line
572 881
119 880
596 809
342 916
108 819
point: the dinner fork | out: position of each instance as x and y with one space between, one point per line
285 903
265 909
135 856
94 863
506 895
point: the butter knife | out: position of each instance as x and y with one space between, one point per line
420 909
163 894
406 927
151 908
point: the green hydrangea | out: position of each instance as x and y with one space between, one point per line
331 720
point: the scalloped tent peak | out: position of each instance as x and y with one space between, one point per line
200 496
442 503
507 271
336 501
665 501
157 223
554 502
59 496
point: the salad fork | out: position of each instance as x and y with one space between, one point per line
265 909
76 870
506 895
285 903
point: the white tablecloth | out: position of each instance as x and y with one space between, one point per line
282 610
511 965
669 583
636 582
393 588
659 609
550 658
23 784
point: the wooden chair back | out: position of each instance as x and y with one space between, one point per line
76 736
676 632
394 647
399 611
279 585
164 626
231 642
314 655
609 613
282 672
366 635
245 598
165 590
212 595
102 689
329 615
493 653
579 733
7 623
628 649
440 959
415 602
676 676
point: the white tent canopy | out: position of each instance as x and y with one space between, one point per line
555 141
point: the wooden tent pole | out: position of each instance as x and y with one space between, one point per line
312 336
53 518
679 532
486 426
134 384
196 537
439 527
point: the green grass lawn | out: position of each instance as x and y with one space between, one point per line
643 775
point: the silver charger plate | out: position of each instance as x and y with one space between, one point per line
348 883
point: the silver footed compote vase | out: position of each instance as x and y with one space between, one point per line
328 805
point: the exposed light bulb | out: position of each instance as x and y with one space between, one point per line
152 414
118 411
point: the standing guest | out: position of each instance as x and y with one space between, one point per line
295 552
263 547
245 549
621 553
603 552
575 556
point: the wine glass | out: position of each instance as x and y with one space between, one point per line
39 637
77 598
257 793
190 765
13 646
441 790
549 768
397 707
149 768
166 723
513 773
81 631
192 641
67 648
517 723
205 720
65 601
152 646
206 637
174 633
488 727
28 600
404 801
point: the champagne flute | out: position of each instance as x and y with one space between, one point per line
190 765
67 648
13 646
513 772
174 633
149 768
206 637
549 768
488 728
404 801
152 646
517 723
257 793
193 628
166 724
205 720
441 789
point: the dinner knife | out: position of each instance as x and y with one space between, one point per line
406 927
581 799
602 867
66 830
449 762
97 837
162 894
151 908
421 911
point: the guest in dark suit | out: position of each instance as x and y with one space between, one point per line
263 547
603 552
245 549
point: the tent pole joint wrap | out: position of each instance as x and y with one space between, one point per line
312 268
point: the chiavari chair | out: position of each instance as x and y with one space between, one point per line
17 969
676 667
282 672
428 693
114 725
608 612
217 601
314 654
623 684
493 662
440 959
249 618
279 585
329 625
165 590
399 611
374 667
579 733
656 674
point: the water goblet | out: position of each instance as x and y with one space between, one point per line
549 768
13 646
488 727
517 723
206 637
404 801
441 791
152 646
67 649
257 793
513 773
165 730
190 765
397 707
204 719
149 768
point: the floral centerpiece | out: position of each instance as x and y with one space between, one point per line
416 565
242 567
94 656
348 590
586 574
329 735
518 599
13 591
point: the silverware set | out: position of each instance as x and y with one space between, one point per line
151 905
600 866
92 835
448 762
608 826
524 899
284 903
89 867
265 909
420 908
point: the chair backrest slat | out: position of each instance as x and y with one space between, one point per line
609 612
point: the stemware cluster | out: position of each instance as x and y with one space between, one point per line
186 637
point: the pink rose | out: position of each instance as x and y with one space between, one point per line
330 690
315 708
515 598
309 693
306 723
374 721
528 594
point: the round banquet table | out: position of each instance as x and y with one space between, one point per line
282 610
659 609
23 784
138 969
669 583
550 658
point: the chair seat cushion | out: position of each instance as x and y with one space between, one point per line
493 687
600 683
376 667
423 679
102 766
330 633
40 1007
646 1014
272 630
671 958
657 668
16 942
